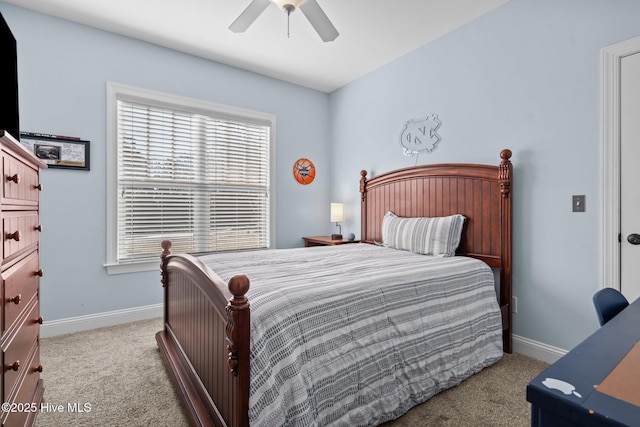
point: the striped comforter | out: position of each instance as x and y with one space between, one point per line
358 334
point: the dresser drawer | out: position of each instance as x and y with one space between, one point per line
21 229
20 182
29 395
21 283
15 357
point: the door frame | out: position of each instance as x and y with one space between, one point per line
611 58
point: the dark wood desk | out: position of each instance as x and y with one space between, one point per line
600 377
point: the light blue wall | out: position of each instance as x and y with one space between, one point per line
526 76
63 69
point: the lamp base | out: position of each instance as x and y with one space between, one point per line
336 237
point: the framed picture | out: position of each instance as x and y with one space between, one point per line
56 151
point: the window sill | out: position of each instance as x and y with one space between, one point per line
133 267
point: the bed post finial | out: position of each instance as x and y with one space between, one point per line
166 251
505 172
363 180
238 323
363 204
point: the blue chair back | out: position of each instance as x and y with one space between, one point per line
608 303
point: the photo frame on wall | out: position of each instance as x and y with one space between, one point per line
64 152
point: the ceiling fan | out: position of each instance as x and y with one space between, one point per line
310 8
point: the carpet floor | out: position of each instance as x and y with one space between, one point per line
115 377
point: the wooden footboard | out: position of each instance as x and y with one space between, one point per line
205 340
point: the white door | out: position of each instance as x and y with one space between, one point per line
630 176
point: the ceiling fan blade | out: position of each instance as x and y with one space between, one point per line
319 20
249 15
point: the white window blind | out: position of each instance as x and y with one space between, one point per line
195 178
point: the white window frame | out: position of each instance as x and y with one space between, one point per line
115 92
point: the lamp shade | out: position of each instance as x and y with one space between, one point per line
337 212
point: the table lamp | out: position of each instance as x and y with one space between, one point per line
337 215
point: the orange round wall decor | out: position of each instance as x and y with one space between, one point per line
304 171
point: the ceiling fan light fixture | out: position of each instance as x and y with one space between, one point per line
287 5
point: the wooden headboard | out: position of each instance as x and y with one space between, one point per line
482 193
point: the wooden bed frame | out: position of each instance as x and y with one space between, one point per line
205 340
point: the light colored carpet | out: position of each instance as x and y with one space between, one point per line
118 373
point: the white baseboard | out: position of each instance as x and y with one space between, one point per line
537 350
526 346
99 320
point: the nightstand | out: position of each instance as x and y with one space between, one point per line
325 241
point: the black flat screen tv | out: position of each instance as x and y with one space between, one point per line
9 117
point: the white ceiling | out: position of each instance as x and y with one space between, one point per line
372 32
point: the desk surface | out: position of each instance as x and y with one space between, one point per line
581 371
624 381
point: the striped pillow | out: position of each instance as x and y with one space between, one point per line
428 236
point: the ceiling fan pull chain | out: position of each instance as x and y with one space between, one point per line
288 8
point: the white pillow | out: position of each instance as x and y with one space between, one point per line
438 236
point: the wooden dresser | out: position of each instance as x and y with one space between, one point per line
20 320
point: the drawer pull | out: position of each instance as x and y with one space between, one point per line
15 236
14 366
39 273
38 227
38 187
15 178
39 320
37 368
16 300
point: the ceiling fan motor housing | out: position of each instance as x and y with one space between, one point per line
288 5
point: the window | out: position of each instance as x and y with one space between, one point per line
196 173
